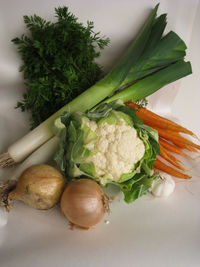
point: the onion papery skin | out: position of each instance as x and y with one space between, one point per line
40 186
84 203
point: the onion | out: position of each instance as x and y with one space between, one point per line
84 203
40 186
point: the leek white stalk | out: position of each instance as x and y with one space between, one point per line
42 155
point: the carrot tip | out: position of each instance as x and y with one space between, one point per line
158 164
196 137
188 157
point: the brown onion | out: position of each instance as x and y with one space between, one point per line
84 203
40 186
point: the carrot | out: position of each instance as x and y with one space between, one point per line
185 146
176 142
176 138
173 148
164 153
158 164
150 117
170 146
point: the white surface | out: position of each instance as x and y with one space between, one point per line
3 217
149 232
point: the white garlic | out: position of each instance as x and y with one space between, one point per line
163 185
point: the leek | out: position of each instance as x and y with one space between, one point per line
169 49
142 58
154 82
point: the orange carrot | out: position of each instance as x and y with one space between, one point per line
176 138
173 148
150 117
158 164
175 142
185 146
170 158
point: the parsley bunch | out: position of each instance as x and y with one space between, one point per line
58 62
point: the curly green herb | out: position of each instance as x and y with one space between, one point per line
58 62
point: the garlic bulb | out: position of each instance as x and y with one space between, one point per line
163 186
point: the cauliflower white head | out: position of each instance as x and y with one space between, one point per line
110 145
118 148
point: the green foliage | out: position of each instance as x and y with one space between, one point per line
137 186
58 62
74 151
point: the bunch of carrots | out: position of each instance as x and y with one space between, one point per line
171 141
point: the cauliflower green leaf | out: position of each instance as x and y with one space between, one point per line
78 155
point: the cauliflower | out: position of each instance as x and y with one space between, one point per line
110 145
119 149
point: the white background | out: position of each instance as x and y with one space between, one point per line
149 232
